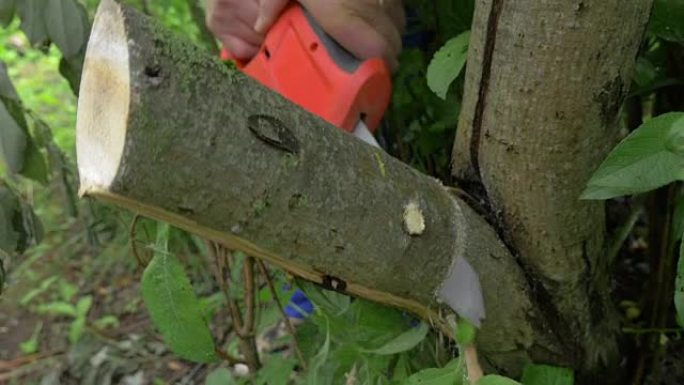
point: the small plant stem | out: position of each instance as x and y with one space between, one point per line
245 332
472 364
623 232
131 235
286 319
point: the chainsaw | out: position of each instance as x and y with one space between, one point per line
305 65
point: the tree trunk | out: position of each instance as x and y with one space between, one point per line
544 85
170 132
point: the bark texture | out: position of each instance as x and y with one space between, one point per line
544 85
165 130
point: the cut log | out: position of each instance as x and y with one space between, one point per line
170 132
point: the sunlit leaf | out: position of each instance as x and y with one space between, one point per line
645 160
666 19
447 64
547 375
83 305
76 329
30 346
64 26
57 308
403 342
173 306
106 322
31 13
6 11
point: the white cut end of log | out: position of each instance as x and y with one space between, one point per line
103 100
414 222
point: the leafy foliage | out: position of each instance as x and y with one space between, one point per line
666 20
648 158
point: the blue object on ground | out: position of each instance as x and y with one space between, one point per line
299 303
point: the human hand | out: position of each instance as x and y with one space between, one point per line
366 28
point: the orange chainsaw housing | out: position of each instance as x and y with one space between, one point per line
299 63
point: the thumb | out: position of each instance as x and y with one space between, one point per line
269 10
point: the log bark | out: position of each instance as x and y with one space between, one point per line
544 85
174 134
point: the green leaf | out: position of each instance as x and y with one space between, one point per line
17 149
494 379
30 346
57 308
547 375
666 19
276 371
9 209
3 273
76 329
316 363
330 302
679 287
6 88
35 166
64 26
220 376
645 73
83 305
452 374
13 141
6 12
403 342
465 332
67 290
447 64
173 305
32 20
71 70
643 161
106 322
678 219
42 288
